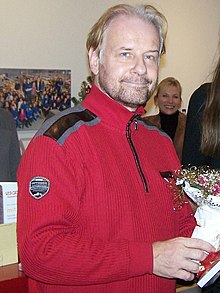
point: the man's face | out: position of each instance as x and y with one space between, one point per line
168 99
127 66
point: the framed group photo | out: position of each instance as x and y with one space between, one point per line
31 94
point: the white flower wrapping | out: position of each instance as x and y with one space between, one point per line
207 214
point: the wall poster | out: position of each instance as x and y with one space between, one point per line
32 94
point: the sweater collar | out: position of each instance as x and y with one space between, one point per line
170 117
107 109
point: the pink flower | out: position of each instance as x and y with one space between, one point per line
201 180
216 188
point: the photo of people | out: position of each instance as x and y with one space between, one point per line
30 94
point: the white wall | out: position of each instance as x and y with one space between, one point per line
52 34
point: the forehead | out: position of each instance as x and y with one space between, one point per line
131 31
170 88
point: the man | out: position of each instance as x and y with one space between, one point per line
94 211
9 147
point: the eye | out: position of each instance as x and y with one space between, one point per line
151 58
125 55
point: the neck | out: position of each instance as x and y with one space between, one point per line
131 109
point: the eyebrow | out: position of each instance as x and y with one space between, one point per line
125 48
130 49
166 93
152 51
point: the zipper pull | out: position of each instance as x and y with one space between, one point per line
135 124
128 126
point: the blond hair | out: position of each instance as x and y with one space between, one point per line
167 82
210 138
145 12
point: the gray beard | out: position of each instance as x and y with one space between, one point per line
133 97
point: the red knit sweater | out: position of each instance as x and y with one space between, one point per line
107 202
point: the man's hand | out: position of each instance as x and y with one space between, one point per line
179 257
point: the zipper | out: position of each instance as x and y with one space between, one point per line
135 154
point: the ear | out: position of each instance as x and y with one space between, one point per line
94 61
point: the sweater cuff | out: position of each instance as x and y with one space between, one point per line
141 258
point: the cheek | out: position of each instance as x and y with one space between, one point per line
178 104
111 70
160 104
152 72
117 70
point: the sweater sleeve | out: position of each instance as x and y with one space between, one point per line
54 241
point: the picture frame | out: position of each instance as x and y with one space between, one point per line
30 94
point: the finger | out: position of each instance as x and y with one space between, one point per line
199 244
197 254
185 275
191 266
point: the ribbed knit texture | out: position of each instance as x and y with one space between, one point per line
93 231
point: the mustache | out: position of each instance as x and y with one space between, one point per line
140 80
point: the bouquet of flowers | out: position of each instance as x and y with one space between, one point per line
202 185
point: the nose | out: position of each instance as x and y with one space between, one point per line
139 66
170 99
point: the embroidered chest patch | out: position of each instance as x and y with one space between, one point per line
39 187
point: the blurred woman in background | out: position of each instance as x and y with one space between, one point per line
202 135
168 99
